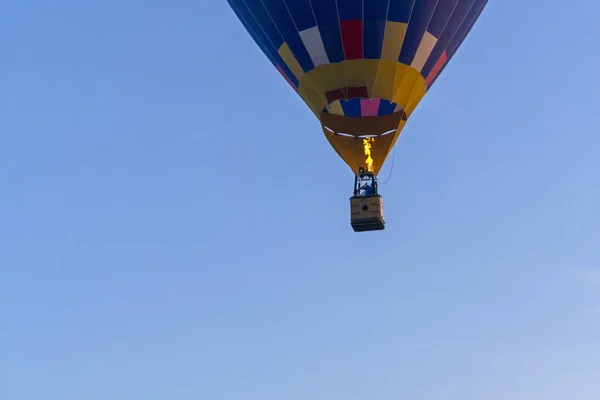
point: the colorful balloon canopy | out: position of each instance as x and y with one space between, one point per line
361 66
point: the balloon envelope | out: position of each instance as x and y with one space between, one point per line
361 66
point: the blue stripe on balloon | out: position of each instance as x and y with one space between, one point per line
374 27
332 41
350 9
329 25
351 107
421 15
263 21
386 107
400 10
301 12
441 16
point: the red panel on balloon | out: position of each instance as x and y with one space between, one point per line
352 38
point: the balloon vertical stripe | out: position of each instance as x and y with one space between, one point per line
352 38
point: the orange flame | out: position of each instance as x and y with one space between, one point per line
367 145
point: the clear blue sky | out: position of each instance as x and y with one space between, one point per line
142 259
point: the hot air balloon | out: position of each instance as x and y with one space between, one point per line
362 67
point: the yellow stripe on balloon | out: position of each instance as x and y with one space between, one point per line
383 87
393 40
336 108
288 57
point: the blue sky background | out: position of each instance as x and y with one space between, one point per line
174 225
